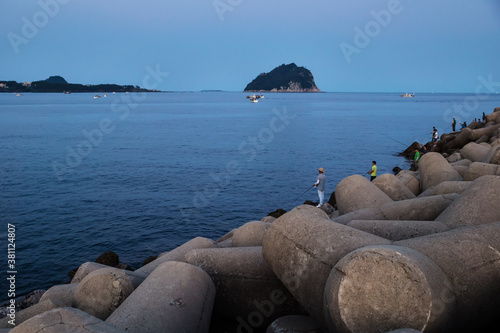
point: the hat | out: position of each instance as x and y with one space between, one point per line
321 170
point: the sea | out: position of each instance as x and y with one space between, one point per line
142 173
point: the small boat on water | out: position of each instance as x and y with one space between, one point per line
97 96
105 95
18 94
408 95
67 92
255 98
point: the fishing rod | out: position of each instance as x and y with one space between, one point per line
302 194
404 144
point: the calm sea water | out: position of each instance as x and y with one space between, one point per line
140 174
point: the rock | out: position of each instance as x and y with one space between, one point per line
302 247
418 209
478 204
32 311
277 213
250 234
398 230
85 269
474 152
408 153
62 294
31 299
148 260
108 259
478 169
393 187
454 157
361 214
177 254
469 258
175 297
446 188
435 169
245 284
124 266
356 192
268 219
410 181
294 324
327 208
65 320
332 201
103 290
396 170
380 288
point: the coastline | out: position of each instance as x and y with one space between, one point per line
256 233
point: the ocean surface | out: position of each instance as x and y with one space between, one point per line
140 174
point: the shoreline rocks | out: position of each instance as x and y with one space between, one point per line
415 251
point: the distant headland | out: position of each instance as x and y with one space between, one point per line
57 84
285 78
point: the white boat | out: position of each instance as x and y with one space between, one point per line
254 98
408 95
97 96
105 95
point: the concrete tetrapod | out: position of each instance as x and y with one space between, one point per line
470 257
250 234
435 169
393 187
64 320
177 254
398 230
103 290
63 294
356 192
246 288
175 297
302 246
380 288
478 204
445 282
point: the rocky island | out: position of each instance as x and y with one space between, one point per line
285 78
57 84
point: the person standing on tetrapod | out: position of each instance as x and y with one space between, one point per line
320 185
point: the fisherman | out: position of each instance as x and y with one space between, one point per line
453 124
373 171
320 185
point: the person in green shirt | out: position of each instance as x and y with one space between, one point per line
416 156
453 124
373 171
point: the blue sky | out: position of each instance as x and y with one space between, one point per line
349 45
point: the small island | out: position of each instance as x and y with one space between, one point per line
57 84
285 78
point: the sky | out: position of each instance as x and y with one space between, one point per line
192 45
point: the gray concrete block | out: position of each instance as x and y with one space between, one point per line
175 297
